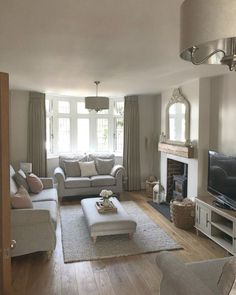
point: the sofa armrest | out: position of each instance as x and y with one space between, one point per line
47 182
177 278
21 217
117 169
59 174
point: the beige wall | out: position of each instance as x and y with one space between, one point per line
149 112
223 114
198 93
150 108
18 127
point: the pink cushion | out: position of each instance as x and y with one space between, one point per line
21 199
35 184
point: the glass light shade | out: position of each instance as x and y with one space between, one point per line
208 25
97 103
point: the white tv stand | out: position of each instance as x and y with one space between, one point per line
216 223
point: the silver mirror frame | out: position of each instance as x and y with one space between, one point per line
177 97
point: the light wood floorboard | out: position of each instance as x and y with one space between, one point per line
34 274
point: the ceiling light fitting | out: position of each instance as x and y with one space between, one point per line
97 103
208 31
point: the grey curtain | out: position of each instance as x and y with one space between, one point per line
37 154
131 153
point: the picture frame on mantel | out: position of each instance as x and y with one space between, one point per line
178 109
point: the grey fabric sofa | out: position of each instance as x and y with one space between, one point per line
35 229
190 278
82 186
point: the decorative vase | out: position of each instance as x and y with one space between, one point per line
106 202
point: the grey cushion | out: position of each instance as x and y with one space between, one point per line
104 166
103 180
72 168
51 206
76 182
20 179
82 158
45 195
13 186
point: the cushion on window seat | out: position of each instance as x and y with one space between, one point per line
75 182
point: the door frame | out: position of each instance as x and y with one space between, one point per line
5 210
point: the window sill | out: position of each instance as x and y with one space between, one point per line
51 156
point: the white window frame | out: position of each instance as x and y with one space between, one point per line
92 116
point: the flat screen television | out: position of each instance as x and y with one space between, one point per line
222 179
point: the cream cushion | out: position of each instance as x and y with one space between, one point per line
88 169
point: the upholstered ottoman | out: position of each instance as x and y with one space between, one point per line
108 223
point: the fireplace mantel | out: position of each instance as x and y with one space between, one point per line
177 150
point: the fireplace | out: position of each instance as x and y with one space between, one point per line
177 177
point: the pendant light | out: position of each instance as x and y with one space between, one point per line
97 103
208 32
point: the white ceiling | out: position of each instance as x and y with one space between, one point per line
62 46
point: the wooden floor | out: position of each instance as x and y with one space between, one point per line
34 274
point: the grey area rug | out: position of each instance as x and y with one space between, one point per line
78 246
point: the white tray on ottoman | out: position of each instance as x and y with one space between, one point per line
109 223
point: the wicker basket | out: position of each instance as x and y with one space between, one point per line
183 213
149 187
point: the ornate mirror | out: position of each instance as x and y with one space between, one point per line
178 119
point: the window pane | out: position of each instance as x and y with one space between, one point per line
119 129
81 108
47 105
103 112
119 108
48 135
63 107
102 135
64 134
83 134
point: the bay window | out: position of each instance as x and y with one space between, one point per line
71 128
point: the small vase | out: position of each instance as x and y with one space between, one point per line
106 202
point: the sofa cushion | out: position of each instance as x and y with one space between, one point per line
104 166
77 182
21 200
51 206
103 180
63 158
88 169
45 195
72 168
35 184
20 179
